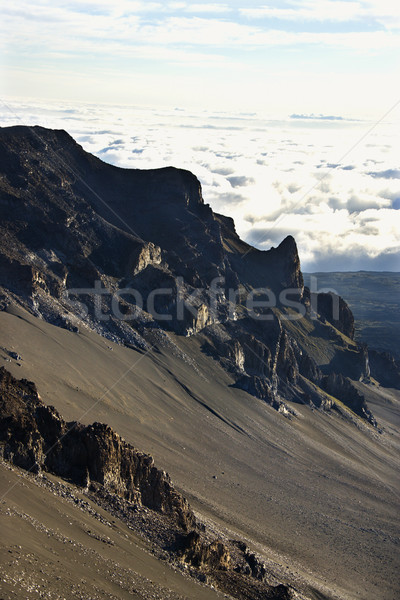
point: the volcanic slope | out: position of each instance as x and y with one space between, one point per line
272 429
315 495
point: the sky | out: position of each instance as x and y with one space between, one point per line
288 112
321 56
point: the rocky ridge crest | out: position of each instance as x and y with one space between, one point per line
76 233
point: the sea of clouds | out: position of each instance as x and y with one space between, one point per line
332 183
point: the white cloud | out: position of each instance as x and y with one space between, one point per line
384 12
203 54
125 30
207 8
250 169
115 8
308 10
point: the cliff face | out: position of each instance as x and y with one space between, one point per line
342 388
34 437
385 369
124 252
335 310
76 205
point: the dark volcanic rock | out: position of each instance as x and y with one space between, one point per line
242 576
307 366
385 368
72 202
207 556
68 220
34 436
260 387
124 252
342 388
335 310
120 479
287 367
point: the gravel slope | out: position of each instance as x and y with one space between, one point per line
316 495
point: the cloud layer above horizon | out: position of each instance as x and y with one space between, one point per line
334 56
321 178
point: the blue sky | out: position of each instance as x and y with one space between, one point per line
321 56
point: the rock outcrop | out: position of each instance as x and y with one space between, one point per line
123 481
34 437
342 388
148 254
333 309
385 368
207 556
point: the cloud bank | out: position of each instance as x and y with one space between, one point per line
335 189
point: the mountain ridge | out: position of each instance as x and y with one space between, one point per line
210 355
59 243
